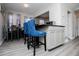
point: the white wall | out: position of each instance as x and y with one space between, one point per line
54 12
0 6
77 26
1 24
69 20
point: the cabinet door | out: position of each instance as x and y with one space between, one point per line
51 41
59 38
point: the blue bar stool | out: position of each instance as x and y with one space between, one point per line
33 34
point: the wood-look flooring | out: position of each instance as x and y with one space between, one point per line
17 48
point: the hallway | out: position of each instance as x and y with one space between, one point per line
17 48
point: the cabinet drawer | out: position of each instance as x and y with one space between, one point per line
60 37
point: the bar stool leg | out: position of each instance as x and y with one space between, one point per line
28 43
45 42
38 42
34 51
24 39
34 42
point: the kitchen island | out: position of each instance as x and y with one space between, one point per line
55 35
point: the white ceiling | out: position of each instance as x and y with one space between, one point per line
73 6
32 9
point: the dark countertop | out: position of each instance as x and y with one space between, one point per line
49 25
45 25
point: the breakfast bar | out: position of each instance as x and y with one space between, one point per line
55 35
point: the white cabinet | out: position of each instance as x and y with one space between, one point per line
55 36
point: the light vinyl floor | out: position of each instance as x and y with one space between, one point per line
17 48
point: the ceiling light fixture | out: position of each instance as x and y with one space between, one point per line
26 5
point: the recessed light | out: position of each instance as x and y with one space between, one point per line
26 5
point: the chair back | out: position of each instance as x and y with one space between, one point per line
29 27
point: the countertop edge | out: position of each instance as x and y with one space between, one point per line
50 25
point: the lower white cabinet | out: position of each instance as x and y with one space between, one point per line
55 36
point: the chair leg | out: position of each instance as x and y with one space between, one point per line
28 46
34 51
34 42
45 42
38 42
24 39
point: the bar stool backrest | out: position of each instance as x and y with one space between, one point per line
29 27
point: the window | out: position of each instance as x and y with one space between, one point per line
18 20
10 20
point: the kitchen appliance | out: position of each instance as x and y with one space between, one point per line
49 22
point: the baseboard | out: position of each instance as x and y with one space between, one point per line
74 37
55 47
